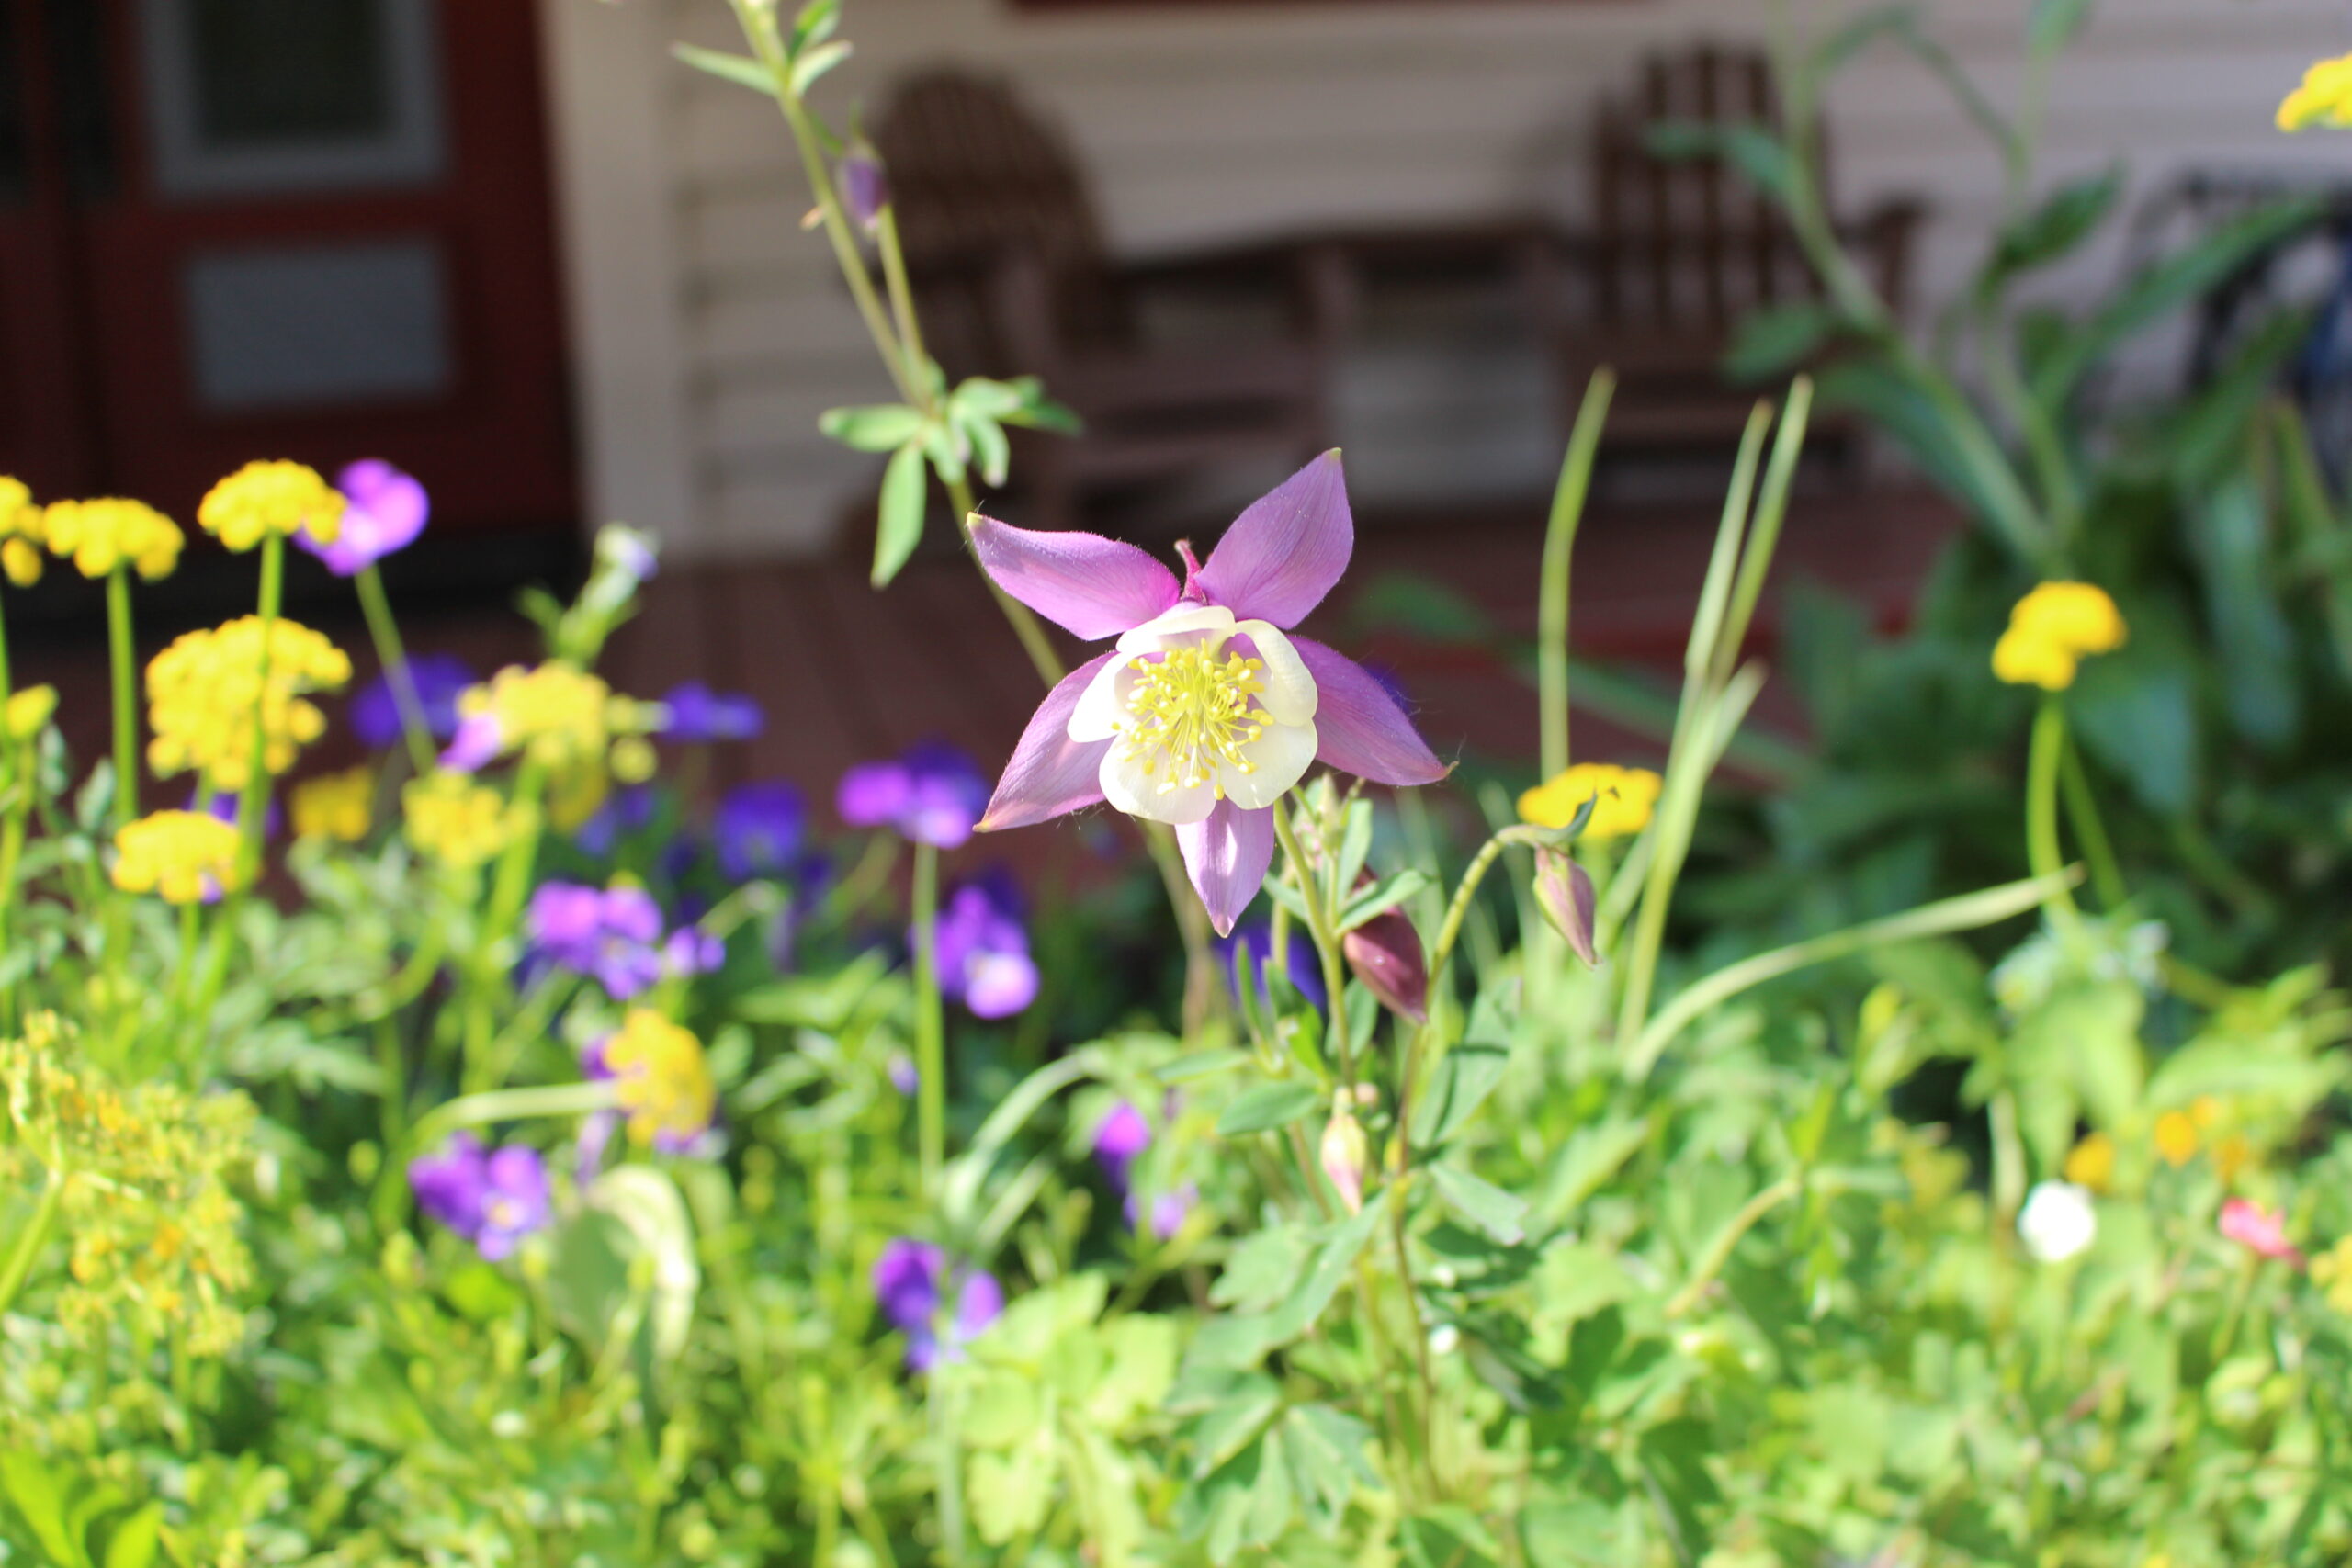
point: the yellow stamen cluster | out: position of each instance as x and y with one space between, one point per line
1193 712
335 806
100 535
2052 630
265 498
2324 99
147 1199
203 691
664 1082
186 857
22 533
29 711
456 821
1623 799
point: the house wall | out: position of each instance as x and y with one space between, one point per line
1227 122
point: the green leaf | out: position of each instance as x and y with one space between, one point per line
136 1539
1200 1064
1449 1536
1466 1075
1323 1279
1380 897
873 427
1011 1492
1262 1267
1355 843
741 70
990 449
1759 155
1267 1107
34 1488
2055 24
808 67
1325 1450
813 24
2064 219
1776 340
900 527
979 396
2135 710
1001 1410
1244 1406
1858 32
1142 1367
1485 1206
2231 536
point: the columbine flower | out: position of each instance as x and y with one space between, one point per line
266 498
1206 711
99 535
202 691
22 533
694 713
908 1278
492 1200
1623 800
2260 1230
340 807
2051 631
612 933
186 857
759 828
665 1086
384 509
981 953
1257 939
2057 1221
2324 100
456 821
439 680
933 794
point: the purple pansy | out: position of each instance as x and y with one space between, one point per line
611 933
1258 939
982 952
757 829
494 1199
907 1278
1207 711
691 949
694 713
933 795
438 678
383 510
625 811
1123 1139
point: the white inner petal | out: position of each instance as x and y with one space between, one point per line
1102 706
1278 758
1290 696
1150 637
1129 788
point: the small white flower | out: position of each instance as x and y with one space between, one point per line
1444 1339
2057 1221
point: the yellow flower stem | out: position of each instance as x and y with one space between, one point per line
29 1241
1559 549
2081 810
124 657
931 1025
385 632
2041 852
509 886
253 799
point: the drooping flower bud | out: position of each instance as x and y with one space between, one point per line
1385 954
1564 891
865 189
1345 1155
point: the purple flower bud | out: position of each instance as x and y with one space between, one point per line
1385 954
865 189
697 713
1564 892
383 511
759 828
1346 1155
438 678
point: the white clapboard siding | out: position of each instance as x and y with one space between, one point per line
1228 122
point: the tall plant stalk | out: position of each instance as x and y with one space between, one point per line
123 658
1559 549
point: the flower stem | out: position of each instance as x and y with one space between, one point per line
931 1025
2041 850
511 884
124 657
1559 547
1319 924
19 1266
385 632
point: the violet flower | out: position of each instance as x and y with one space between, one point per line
625 811
1123 1139
697 713
759 828
1206 712
908 1280
439 677
933 795
611 933
865 189
981 951
383 510
491 1199
223 807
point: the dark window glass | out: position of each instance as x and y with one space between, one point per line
270 72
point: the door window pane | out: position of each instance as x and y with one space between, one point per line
318 326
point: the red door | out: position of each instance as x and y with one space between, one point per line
315 228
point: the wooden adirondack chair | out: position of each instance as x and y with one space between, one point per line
1677 253
1007 256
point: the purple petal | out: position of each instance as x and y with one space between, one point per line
1050 773
979 1304
1360 727
1285 551
477 742
1090 586
1228 856
872 794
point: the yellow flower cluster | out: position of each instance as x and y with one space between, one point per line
28 712
335 806
1622 800
665 1084
22 533
455 820
2324 99
100 535
2092 1162
2332 1271
2180 1134
261 499
147 1197
2052 630
204 689
186 857
557 714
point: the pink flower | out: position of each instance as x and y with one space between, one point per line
1207 711
2263 1230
